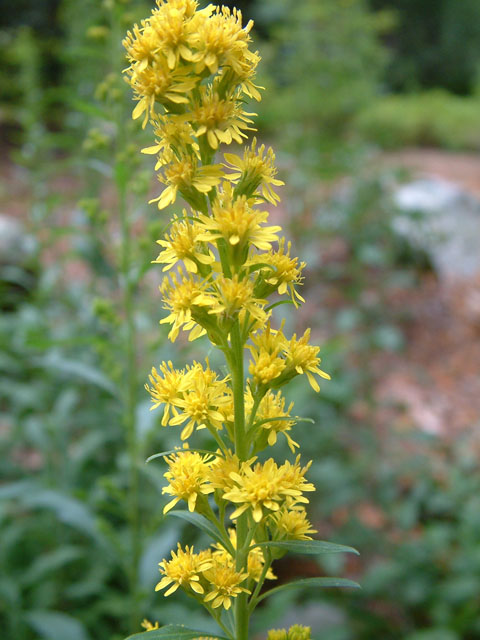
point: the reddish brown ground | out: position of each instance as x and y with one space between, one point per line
436 380
435 383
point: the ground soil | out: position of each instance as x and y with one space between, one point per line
434 384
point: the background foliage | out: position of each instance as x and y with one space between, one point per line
80 525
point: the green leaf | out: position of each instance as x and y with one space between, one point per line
67 509
311 547
55 625
284 418
310 582
162 454
202 523
49 562
174 632
277 304
77 369
88 108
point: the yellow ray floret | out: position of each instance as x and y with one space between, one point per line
255 562
199 405
183 570
167 387
254 174
158 83
272 408
267 486
221 120
238 223
267 364
297 632
224 584
188 177
185 298
222 41
183 242
284 274
302 358
171 132
291 524
234 297
187 478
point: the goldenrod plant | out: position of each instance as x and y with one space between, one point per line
191 71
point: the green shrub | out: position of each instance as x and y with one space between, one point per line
433 118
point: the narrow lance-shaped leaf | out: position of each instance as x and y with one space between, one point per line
309 547
174 632
309 583
162 454
205 525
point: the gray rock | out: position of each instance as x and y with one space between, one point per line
16 245
441 218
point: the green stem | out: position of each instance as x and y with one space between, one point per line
130 402
130 347
263 575
241 450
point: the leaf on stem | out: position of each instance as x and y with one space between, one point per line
310 547
308 583
202 523
162 454
173 632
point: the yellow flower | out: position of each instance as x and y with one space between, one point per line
255 562
297 632
221 469
294 482
266 364
184 297
268 486
254 174
292 524
200 403
273 406
183 243
193 181
234 297
285 273
243 75
173 29
171 132
187 478
257 488
158 83
302 358
148 626
167 388
183 570
221 41
238 223
224 583
222 120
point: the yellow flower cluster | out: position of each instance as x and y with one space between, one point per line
263 488
209 574
297 632
191 72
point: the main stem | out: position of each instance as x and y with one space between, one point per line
130 348
241 450
130 402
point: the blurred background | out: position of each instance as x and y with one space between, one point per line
373 108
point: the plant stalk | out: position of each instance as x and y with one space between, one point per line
241 450
130 344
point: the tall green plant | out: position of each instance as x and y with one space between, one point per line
191 71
